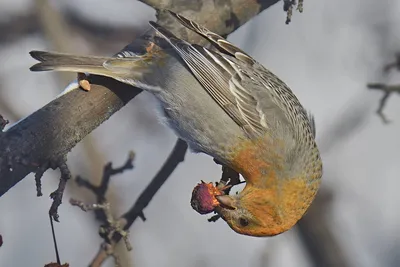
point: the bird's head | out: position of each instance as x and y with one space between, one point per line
269 204
277 192
252 212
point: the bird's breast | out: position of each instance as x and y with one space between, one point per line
259 159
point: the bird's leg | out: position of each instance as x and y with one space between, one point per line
205 195
83 82
228 179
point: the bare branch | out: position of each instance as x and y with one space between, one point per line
136 211
51 132
27 24
101 190
316 235
388 90
382 104
59 34
393 65
54 264
107 230
102 208
288 6
58 194
108 171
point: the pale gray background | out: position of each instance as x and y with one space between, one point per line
326 55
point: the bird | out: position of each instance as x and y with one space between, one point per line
227 105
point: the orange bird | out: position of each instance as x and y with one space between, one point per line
223 103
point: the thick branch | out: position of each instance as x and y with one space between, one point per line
19 26
317 236
51 132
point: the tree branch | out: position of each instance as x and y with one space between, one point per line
317 236
50 133
387 90
28 24
136 211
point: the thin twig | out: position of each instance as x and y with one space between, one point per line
393 65
54 264
136 211
108 171
54 239
58 194
288 6
110 226
382 104
387 90
101 190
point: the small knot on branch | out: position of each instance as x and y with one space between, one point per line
3 123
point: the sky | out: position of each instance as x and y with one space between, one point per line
326 55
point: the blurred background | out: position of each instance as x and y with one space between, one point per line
327 55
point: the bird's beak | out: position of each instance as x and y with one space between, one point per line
226 201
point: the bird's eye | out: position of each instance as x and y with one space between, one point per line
243 222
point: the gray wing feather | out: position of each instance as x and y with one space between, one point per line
253 97
212 76
216 40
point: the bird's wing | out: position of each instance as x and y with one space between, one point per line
216 40
242 87
270 81
213 76
265 103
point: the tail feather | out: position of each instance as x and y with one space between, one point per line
71 63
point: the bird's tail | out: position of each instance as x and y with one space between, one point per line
71 63
123 69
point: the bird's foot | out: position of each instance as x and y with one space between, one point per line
229 178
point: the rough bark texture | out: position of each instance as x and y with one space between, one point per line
44 138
